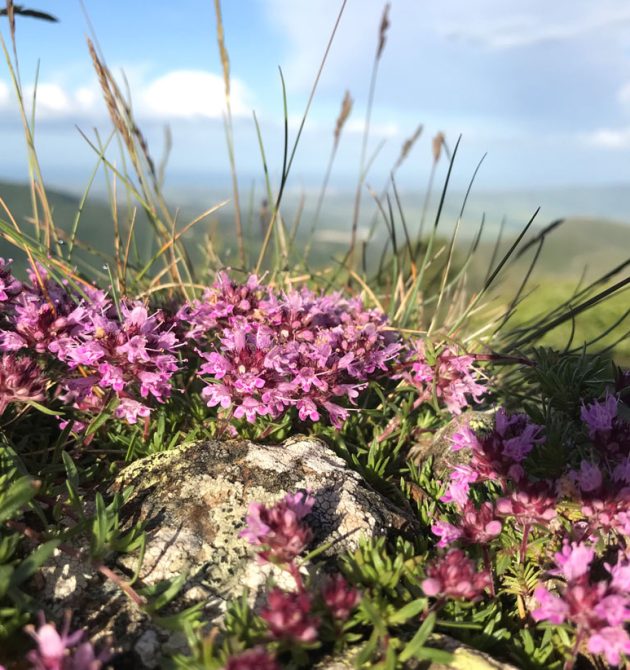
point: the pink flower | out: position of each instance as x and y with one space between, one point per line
280 529
288 616
257 658
452 377
533 504
54 650
610 642
589 477
620 574
340 597
462 476
21 380
550 607
574 560
446 532
131 410
599 415
454 576
615 609
479 524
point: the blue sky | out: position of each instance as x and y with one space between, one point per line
543 87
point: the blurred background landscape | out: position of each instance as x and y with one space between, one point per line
543 92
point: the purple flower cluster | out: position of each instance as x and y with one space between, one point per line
289 617
497 456
20 380
601 483
598 608
10 287
477 525
280 533
279 530
100 350
454 575
451 377
262 351
62 650
132 356
265 352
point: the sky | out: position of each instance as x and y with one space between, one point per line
542 88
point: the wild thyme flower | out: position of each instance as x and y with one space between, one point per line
497 455
288 616
453 377
599 610
62 650
264 352
529 504
133 356
21 380
608 431
476 525
340 598
280 530
454 575
10 287
607 514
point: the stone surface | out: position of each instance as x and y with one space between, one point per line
464 658
194 500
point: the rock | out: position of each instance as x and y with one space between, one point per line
464 658
194 500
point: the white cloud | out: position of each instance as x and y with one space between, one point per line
179 94
536 23
382 130
189 94
51 99
609 138
623 95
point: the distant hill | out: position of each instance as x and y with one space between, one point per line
95 225
576 246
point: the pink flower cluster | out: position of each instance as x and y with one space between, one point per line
477 525
599 609
20 380
497 456
454 575
279 530
262 352
280 534
62 650
452 377
601 484
10 287
265 352
102 350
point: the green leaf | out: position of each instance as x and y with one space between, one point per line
442 657
20 492
408 611
42 409
97 423
163 592
416 644
100 528
32 563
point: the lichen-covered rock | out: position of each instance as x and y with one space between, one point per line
464 658
194 500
